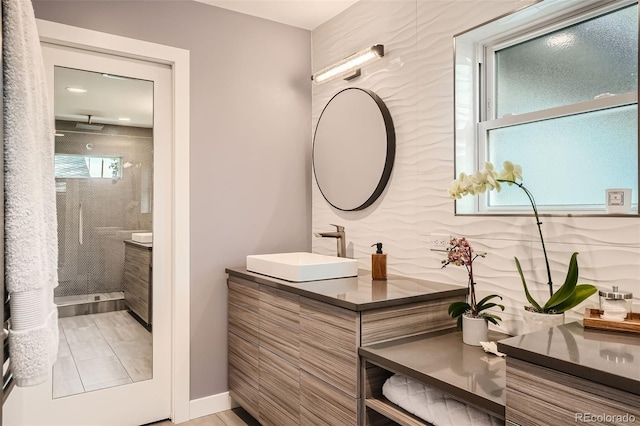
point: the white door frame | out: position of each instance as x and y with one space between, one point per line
178 60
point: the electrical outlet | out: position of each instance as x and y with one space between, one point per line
439 242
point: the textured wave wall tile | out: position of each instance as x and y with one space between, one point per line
415 79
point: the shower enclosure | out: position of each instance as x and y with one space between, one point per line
103 195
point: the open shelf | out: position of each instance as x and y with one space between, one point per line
393 412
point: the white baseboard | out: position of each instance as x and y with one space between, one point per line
210 405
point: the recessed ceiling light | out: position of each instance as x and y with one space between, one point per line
76 90
124 119
115 77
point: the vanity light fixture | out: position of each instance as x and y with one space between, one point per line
349 67
76 90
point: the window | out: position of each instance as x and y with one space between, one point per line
81 166
558 98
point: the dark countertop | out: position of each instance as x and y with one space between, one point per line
136 243
359 293
605 357
441 360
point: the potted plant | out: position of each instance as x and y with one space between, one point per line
570 294
471 314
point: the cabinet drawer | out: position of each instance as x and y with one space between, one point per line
138 306
136 285
279 390
538 395
243 322
283 307
243 358
383 324
323 404
280 323
243 393
243 293
329 344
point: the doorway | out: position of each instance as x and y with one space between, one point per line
104 206
165 393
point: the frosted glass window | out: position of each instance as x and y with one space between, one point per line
559 96
569 160
574 64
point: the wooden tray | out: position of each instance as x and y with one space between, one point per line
592 320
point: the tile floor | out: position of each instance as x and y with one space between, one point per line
98 351
234 417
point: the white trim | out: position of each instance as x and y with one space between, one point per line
607 102
211 404
178 60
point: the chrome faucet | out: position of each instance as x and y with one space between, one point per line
339 235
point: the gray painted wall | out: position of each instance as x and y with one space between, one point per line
250 142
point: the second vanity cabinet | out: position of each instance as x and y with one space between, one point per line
569 375
137 279
293 351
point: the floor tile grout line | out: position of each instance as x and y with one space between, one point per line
75 364
92 318
115 352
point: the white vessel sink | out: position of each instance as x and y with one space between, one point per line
302 266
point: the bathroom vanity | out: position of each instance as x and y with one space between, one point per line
568 374
137 279
293 347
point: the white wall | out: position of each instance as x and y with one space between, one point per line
415 79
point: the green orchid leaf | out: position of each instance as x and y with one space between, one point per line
565 292
459 323
489 306
581 293
456 309
526 290
489 297
493 319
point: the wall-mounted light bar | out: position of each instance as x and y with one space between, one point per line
349 67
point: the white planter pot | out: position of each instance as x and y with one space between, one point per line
474 330
535 321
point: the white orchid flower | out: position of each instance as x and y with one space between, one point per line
479 182
511 172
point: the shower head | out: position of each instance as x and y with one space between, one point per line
89 125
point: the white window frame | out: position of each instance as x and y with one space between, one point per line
484 80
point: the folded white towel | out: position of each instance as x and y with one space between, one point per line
30 207
433 405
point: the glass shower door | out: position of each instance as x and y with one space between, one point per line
71 199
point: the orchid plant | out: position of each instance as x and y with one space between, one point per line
570 294
460 253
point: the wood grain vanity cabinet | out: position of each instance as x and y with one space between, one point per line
293 347
137 279
539 395
569 375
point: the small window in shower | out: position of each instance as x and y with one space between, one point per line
81 166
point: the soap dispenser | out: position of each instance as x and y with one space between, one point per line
378 263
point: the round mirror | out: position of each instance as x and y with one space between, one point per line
353 149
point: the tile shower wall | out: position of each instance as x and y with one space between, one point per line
112 209
415 79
